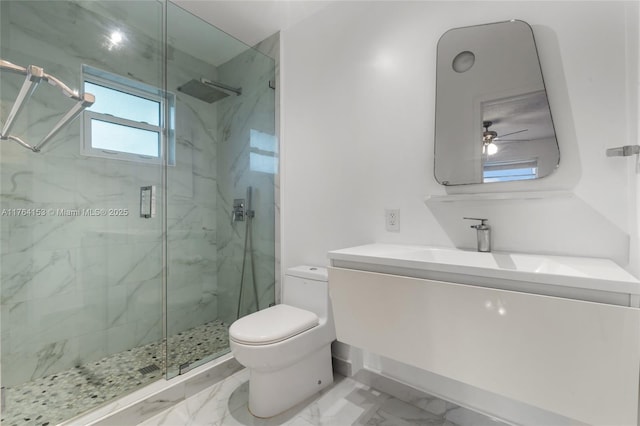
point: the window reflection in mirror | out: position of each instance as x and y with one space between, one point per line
493 121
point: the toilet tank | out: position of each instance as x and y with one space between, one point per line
306 287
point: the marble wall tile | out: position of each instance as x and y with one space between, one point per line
147 330
191 206
255 109
102 275
119 338
41 275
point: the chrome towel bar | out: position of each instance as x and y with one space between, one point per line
623 151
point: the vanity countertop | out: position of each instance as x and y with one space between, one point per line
582 272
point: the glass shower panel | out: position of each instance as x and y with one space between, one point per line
225 116
81 270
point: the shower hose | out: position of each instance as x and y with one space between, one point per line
248 246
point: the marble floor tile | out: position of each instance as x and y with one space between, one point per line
465 417
346 402
394 412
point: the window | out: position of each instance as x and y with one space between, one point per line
126 122
508 171
263 152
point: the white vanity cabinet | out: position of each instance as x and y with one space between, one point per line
437 309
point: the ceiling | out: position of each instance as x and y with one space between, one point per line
252 21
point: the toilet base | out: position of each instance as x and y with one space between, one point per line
271 393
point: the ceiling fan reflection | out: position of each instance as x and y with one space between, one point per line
491 136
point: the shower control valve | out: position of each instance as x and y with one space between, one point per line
238 212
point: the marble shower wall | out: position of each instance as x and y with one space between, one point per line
251 115
77 288
271 47
191 191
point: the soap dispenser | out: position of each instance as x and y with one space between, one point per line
484 234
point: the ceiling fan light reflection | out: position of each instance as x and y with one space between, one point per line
492 148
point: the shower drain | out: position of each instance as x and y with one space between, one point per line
148 369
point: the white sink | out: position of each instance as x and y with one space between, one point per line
586 273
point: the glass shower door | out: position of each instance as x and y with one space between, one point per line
225 144
100 292
81 269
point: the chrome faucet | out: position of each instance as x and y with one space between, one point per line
484 234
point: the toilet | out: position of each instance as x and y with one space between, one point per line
287 347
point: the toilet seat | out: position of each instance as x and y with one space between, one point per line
272 325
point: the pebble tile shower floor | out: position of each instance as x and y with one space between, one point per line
61 396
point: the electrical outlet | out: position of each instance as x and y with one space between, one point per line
392 219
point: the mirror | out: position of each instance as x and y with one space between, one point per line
493 122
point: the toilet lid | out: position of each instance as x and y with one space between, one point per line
272 325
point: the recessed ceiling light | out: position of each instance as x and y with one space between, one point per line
116 37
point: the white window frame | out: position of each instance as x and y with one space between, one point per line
133 88
511 165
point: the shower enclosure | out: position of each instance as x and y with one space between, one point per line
123 258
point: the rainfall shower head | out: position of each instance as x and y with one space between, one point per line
207 90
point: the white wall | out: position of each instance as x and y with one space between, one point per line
358 121
358 106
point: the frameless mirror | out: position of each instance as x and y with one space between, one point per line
493 122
